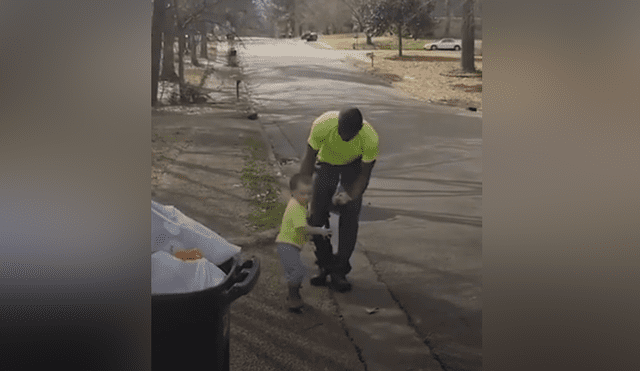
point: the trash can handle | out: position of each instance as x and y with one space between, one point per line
250 271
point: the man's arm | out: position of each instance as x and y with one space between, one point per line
318 230
361 183
309 161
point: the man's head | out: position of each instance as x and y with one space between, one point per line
349 123
300 186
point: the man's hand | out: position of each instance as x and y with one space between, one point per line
363 179
341 198
322 231
326 232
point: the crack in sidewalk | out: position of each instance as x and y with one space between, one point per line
346 331
410 322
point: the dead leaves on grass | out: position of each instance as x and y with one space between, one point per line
469 88
422 58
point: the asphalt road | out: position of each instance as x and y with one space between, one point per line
421 227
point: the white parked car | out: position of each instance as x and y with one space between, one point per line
452 44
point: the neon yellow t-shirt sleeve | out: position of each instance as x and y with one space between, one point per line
320 129
370 149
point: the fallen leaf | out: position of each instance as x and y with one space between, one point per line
372 310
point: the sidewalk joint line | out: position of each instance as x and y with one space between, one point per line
410 322
346 331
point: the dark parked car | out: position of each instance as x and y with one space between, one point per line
309 36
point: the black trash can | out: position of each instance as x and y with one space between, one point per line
190 331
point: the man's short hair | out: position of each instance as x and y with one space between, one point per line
296 179
350 119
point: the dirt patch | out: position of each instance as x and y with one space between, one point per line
166 145
461 74
433 82
422 58
389 77
469 88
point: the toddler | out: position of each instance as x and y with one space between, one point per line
294 233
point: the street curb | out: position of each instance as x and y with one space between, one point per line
265 138
268 236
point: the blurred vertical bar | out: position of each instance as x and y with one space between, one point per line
74 189
561 202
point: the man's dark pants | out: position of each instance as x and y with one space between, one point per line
324 187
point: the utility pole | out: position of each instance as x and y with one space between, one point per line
468 37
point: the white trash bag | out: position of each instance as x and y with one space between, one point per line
171 230
170 275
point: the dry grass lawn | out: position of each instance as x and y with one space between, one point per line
423 75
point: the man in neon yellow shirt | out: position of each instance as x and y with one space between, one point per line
342 148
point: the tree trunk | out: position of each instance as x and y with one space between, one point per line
193 45
369 41
204 53
181 48
447 13
468 31
168 62
203 27
292 18
156 44
400 41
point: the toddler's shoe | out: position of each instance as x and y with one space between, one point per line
320 279
294 300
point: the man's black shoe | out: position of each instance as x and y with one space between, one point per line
339 283
320 279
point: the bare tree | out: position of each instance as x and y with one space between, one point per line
186 16
193 44
401 16
310 14
468 37
447 14
188 12
156 45
360 10
202 28
284 11
169 37
297 14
